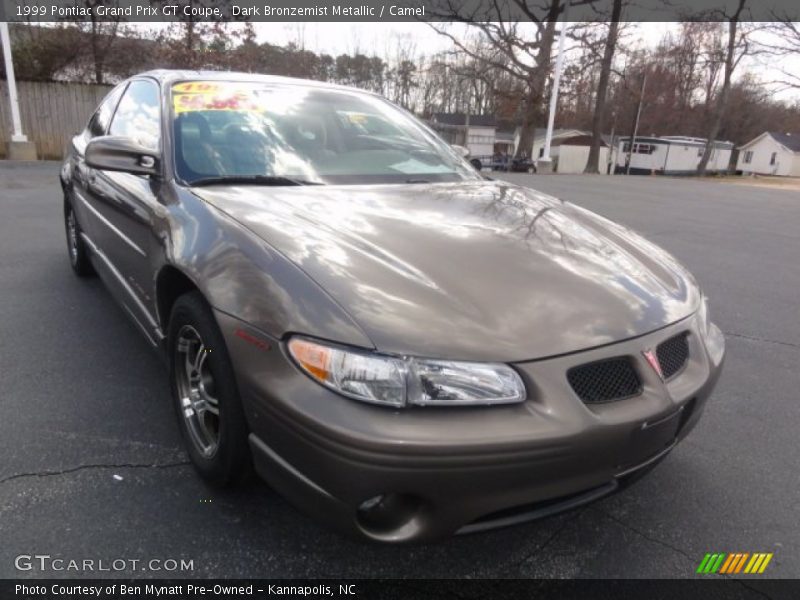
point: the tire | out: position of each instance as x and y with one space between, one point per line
476 164
204 393
76 247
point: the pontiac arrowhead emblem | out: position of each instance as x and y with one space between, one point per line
653 360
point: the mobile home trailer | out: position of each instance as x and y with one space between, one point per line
670 155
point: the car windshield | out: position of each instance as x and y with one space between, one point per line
276 134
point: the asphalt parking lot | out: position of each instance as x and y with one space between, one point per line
92 467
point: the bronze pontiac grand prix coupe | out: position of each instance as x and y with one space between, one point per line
399 345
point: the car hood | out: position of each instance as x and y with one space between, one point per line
473 270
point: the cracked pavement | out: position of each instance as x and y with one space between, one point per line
92 465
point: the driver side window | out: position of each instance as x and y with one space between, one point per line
98 124
138 115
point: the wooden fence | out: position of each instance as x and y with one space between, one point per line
51 113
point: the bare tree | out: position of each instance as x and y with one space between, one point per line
713 51
185 40
524 58
102 36
44 53
434 93
784 43
401 73
737 47
689 57
475 87
598 119
684 71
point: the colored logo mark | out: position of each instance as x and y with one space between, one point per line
652 359
737 562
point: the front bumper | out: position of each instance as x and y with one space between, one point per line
447 470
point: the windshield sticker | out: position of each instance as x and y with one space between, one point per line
358 118
200 95
196 87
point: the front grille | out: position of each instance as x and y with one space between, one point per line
673 354
605 380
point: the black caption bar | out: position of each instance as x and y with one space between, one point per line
402 589
386 10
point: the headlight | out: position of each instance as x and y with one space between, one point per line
363 376
401 381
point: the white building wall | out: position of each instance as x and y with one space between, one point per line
762 154
538 143
723 159
795 170
572 159
674 158
649 162
682 157
480 141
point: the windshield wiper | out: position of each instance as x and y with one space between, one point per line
251 180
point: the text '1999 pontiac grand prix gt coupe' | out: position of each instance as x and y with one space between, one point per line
399 345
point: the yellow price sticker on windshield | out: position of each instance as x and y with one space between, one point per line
197 87
191 96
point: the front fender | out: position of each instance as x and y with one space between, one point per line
242 275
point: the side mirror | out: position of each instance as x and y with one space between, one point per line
460 150
117 153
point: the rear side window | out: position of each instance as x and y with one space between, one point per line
138 115
98 124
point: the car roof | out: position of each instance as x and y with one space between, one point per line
167 76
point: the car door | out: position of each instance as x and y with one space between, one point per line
127 207
80 173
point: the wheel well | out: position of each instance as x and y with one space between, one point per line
171 284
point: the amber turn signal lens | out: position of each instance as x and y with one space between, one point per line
315 359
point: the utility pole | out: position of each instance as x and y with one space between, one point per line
636 124
545 163
19 148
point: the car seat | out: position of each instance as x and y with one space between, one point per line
194 141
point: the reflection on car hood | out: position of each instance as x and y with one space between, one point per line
473 270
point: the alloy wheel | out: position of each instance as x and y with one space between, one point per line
196 391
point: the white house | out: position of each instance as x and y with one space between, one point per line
537 150
571 154
670 155
505 141
476 132
569 150
771 153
